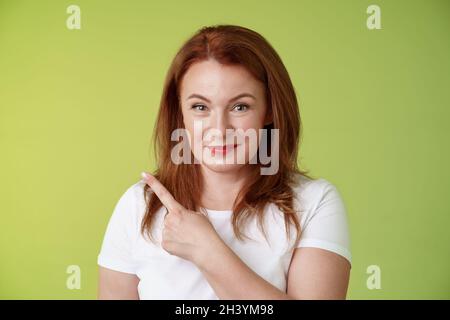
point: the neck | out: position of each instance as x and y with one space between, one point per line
220 189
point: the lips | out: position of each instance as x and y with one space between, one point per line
222 149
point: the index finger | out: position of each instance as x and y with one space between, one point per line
162 193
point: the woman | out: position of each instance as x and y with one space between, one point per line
218 229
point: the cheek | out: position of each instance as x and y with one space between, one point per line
189 124
187 121
254 120
251 122
194 129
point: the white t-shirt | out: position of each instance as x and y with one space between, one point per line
323 221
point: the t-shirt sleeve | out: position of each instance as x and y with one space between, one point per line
326 225
117 248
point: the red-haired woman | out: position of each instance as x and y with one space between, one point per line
210 228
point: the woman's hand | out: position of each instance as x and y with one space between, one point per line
186 234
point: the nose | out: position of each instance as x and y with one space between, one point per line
219 121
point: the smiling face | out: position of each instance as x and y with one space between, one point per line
219 100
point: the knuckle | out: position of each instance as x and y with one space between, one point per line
170 220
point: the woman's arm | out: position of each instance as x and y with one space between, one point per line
115 285
313 274
232 279
316 273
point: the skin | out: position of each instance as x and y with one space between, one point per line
313 273
219 84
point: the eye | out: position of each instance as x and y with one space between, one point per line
240 107
199 107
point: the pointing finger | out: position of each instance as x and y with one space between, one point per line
162 193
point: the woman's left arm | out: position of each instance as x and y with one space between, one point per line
313 273
232 279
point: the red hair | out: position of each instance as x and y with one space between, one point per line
230 45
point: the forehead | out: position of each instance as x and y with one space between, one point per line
215 81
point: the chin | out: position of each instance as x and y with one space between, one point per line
222 167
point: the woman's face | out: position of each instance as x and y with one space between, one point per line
217 100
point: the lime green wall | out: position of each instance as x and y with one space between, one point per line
77 108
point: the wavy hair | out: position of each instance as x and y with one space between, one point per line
229 44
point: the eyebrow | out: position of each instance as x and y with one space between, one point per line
195 95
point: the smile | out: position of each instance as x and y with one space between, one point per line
221 149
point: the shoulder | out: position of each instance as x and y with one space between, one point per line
123 230
323 216
311 193
319 204
131 204
135 192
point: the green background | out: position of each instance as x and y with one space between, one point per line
77 109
